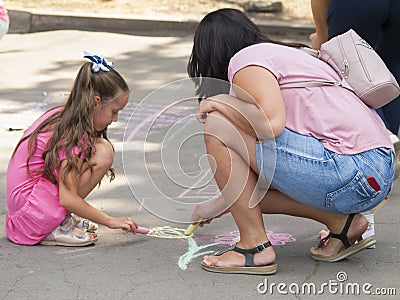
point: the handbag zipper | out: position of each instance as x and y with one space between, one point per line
346 66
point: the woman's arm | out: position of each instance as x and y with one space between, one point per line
255 84
240 113
319 10
258 108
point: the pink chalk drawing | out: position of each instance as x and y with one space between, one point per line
277 239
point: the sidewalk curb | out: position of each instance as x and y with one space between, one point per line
27 22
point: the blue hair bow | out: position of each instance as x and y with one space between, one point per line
98 62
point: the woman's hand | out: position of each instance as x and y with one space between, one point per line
125 223
206 106
204 213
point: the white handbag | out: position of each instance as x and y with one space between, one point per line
361 69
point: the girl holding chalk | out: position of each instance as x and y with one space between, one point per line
321 152
61 158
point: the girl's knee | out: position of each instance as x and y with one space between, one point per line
104 154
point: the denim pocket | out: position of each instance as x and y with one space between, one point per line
356 196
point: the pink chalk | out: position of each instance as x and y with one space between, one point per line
142 230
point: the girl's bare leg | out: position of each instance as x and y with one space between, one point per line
233 161
102 161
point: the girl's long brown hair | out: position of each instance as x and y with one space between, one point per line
73 125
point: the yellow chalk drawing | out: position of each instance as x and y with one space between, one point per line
167 232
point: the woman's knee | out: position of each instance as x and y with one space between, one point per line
218 128
104 154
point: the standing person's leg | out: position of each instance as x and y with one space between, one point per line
367 19
389 48
391 114
364 17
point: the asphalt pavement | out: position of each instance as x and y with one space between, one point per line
37 72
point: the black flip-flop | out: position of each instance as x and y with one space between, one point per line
349 249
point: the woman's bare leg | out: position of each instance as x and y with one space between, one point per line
274 202
237 182
234 164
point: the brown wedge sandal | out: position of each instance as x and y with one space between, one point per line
349 249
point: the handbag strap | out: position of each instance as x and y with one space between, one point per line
311 83
310 51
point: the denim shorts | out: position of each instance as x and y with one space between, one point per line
300 167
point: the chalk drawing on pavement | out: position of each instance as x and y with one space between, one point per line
167 232
193 252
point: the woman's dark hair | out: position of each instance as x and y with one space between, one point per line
219 36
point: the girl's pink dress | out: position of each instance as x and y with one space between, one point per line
4 13
33 206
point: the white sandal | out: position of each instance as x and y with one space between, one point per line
85 224
74 237
81 223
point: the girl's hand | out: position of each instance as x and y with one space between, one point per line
125 223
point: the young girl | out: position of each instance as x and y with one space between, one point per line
325 154
61 158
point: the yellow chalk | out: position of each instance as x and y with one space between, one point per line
191 229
